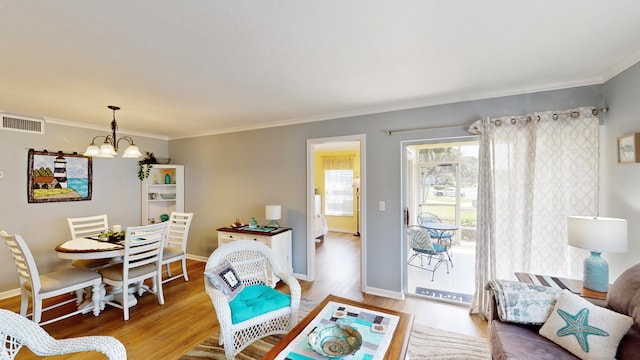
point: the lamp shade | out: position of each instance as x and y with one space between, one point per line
599 234
272 212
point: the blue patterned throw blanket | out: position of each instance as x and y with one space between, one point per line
523 303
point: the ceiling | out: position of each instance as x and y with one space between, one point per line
187 68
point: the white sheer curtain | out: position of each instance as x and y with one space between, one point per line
535 170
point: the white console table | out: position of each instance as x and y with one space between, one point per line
278 240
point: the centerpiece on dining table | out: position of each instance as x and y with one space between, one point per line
111 236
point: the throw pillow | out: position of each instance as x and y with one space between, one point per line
224 278
586 330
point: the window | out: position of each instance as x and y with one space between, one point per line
338 192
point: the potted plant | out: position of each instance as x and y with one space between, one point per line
145 165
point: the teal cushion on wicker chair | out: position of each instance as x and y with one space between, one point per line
256 300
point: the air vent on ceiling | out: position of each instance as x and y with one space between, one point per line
22 124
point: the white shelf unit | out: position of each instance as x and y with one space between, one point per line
153 206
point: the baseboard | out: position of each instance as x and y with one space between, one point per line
9 293
302 277
384 293
197 258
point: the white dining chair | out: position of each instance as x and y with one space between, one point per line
17 331
175 246
88 226
39 287
142 260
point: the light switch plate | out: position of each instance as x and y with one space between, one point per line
381 205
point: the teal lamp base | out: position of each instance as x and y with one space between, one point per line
273 224
596 273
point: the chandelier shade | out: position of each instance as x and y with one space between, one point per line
109 147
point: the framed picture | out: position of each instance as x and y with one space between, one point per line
58 177
629 148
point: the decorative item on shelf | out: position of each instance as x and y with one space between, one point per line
169 174
145 165
253 223
168 196
237 224
597 234
272 212
109 147
153 196
163 160
151 220
164 217
335 341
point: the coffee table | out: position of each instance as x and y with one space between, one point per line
395 336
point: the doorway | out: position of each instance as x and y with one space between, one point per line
341 205
439 198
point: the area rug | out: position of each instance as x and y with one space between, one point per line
446 295
425 343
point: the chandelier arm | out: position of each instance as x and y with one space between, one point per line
126 138
93 141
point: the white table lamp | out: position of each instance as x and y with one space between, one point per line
272 212
597 234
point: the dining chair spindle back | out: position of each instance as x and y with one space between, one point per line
39 287
141 261
175 246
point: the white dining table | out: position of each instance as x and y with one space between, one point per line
91 249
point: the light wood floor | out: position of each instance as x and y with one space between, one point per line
187 318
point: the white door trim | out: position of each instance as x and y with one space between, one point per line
311 241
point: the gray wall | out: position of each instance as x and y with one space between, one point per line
116 192
235 175
620 187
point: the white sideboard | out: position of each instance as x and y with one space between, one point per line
278 240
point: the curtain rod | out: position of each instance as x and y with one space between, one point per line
594 111
389 132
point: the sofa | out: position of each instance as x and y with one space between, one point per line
510 340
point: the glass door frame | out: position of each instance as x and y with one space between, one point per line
410 176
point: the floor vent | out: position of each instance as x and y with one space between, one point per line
22 124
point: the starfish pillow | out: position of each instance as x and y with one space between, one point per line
586 330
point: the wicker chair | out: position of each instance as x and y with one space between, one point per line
16 331
175 245
252 261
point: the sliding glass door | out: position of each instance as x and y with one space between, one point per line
440 198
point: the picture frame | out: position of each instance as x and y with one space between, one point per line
629 148
58 177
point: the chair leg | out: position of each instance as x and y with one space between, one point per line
24 304
168 270
37 309
125 302
157 287
184 269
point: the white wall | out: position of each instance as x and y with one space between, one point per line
620 188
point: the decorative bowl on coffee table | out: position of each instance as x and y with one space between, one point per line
335 341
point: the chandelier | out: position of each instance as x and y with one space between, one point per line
109 147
